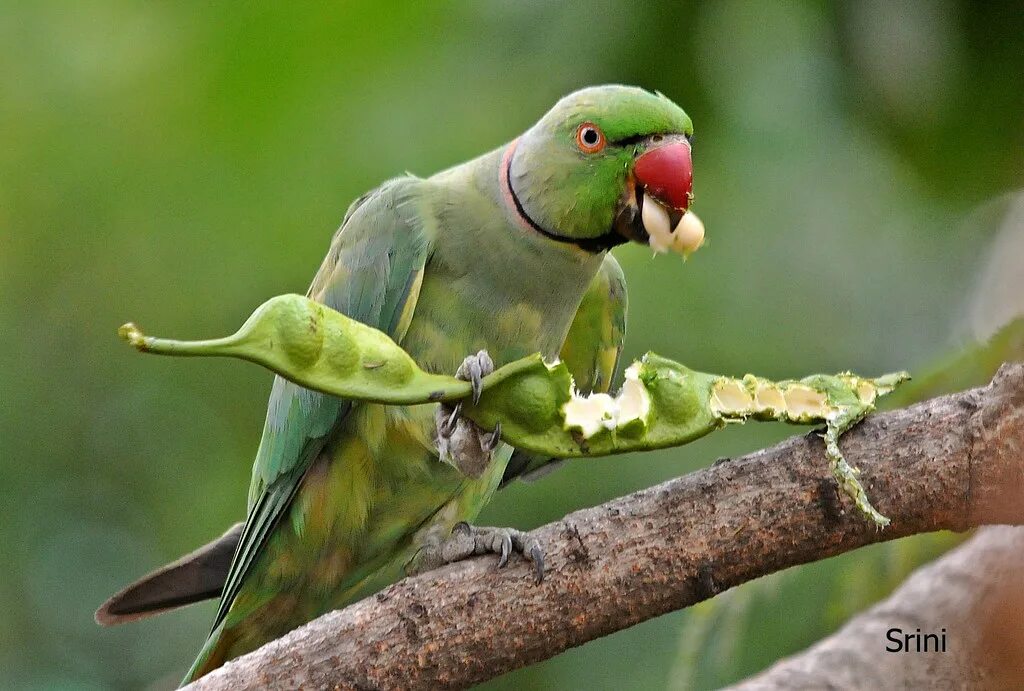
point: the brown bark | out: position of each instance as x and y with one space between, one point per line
949 463
973 597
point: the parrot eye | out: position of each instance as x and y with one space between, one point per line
589 138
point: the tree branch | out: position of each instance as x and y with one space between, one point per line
949 463
973 596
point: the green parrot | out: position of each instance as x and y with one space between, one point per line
497 258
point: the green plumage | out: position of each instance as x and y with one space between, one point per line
343 494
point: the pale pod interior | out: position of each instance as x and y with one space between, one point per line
671 230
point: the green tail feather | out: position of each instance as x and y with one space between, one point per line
210 657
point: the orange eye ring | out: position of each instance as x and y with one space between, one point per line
589 138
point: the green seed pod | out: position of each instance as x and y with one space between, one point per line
661 404
320 349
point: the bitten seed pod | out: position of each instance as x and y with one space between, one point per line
661 403
839 401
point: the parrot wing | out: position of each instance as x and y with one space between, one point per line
373 274
591 351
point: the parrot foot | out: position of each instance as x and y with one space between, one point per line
467 540
459 441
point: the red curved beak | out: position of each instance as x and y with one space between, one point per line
666 173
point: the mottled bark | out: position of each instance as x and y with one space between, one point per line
949 463
972 597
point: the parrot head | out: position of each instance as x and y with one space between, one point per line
607 165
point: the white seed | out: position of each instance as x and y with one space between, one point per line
589 414
599 411
633 402
657 224
688 235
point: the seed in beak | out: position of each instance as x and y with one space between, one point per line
657 224
688 235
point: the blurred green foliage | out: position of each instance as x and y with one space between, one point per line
178 163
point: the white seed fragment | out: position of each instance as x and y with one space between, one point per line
688 235
657 224
634 403
589 414
599 411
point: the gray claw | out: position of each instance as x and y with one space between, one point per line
448 426
506 549
473 369
478 388
537 557
490 441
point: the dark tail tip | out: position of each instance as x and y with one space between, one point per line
197 576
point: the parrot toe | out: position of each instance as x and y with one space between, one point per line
448 422
473 369
459 441
490 440
467 541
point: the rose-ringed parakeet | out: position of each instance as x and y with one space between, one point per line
481 264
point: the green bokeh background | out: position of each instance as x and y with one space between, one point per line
178 163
